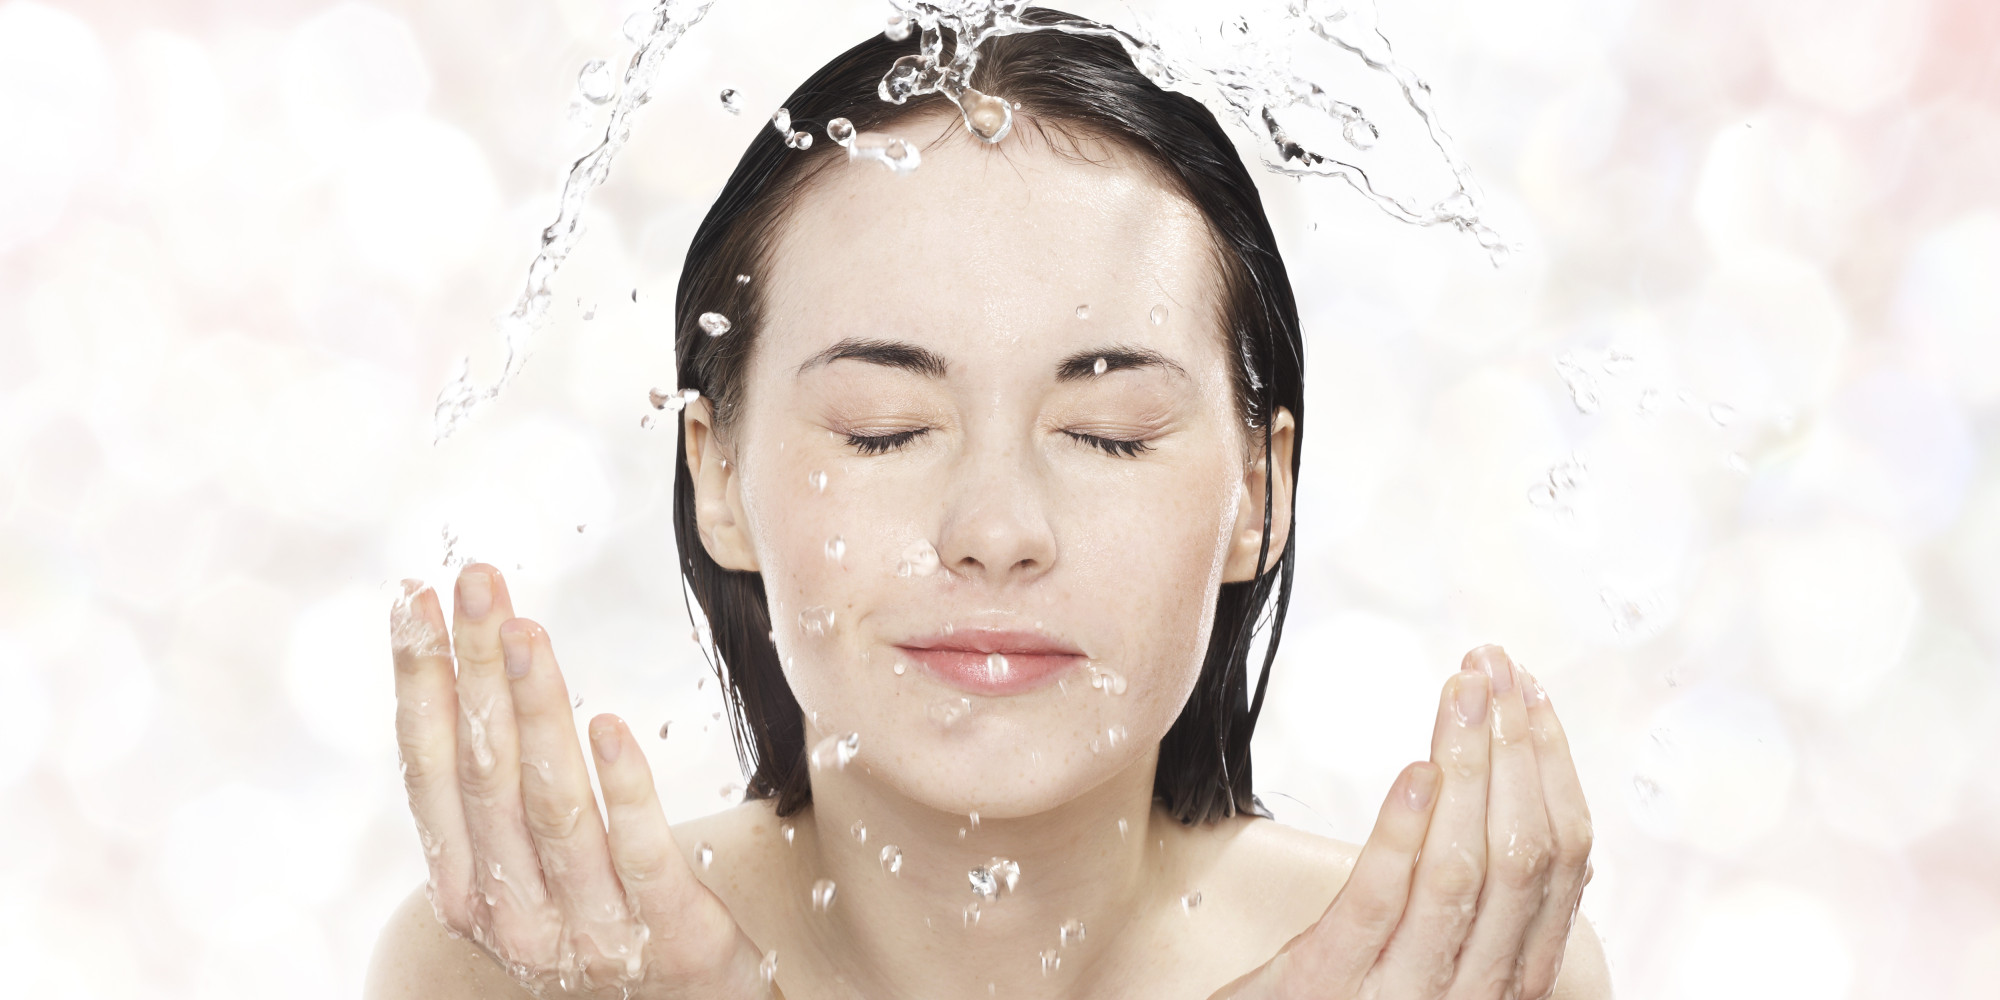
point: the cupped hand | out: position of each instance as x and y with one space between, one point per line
1469 883
521 861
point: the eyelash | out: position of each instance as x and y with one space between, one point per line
878 444
1112 446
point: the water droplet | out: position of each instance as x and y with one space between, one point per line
799 140
1083 311
742 279
1071 933
920 559
659 397
1107 681
822 898
840 130
892 859
836 549
904 77
971 914
1582 384
1100 367
983 882
835 752
729 791
768 968
989 117
1050 961
1114 736
997 667
898 27
1190 902
898 667
1618 363
664 726
1158 315
782 121
972 818
595 82
896 153
646 422
1007 871
1649 401
817 480
639 27
789 831
1122 827
816 620
859 830
1722 414
732 101
714 324
576 702
704 855
947 713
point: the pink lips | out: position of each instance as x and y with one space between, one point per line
992 662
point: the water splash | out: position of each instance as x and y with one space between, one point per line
1247 83
654 32
835 752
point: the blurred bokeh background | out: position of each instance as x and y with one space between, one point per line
1717 456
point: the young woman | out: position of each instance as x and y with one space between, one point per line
988 486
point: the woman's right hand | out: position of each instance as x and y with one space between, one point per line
520 860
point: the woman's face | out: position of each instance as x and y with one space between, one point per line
991 467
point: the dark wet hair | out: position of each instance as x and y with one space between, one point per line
1082 87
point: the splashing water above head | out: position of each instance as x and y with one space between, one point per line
1249 87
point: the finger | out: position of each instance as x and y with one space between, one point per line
426 746
1569 824
507 875
1333 957
1519 847
556 794
1423 951
697 934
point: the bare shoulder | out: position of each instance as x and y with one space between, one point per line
415 957
1250 885
745 856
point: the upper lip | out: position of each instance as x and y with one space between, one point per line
1002 641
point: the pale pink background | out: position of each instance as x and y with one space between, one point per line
242 241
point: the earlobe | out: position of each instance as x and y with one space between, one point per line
1247 537
718 502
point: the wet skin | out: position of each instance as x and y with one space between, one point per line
1082 518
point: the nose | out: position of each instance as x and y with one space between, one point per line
996 527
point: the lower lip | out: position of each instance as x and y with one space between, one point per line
971 671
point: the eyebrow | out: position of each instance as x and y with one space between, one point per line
912 358
1083 364
887 353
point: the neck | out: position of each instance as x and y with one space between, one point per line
925 931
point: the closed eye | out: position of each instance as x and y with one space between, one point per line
1112 446
876 444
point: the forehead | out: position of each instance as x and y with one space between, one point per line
996 240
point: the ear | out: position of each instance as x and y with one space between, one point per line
718 494
1248 536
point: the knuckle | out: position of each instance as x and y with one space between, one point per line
1573 844
1457 878
553 818
1523 867
1370 911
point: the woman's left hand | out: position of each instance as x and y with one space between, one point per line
1467 897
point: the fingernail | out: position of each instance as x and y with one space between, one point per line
605 739
1471 704
1422 786
475 594
514 648
1532 689
1498 667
